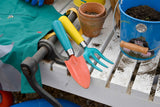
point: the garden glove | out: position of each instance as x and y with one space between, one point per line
34 2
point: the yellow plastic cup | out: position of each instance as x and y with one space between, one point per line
80 2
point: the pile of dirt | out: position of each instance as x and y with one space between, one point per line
144 13
18 97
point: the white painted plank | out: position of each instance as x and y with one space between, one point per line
58 74
142 84
61 4
107 33
149 66
144 78
70 5
108 4
111 52
123 73
157 94
96 91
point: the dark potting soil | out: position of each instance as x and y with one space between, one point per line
90 13
144 13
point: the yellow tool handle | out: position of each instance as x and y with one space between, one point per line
71 30
49 35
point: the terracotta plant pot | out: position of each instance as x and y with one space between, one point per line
92 16
48 1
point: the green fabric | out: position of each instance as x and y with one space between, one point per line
23 25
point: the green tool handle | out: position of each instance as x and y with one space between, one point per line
61 35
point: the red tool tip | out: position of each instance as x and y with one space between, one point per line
79 70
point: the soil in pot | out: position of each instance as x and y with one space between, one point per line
91 13
144 13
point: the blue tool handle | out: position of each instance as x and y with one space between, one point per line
61 35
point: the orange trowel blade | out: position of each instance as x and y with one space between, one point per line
79 70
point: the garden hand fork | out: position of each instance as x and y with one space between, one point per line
88 52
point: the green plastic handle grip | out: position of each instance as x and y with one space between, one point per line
61 35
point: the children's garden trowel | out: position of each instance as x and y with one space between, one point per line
88 52
76 65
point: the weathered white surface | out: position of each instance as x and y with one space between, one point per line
157 94
145 76
111 52
123 73
61 4
96 91
104 38
115 94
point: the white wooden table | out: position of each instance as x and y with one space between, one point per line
127 83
